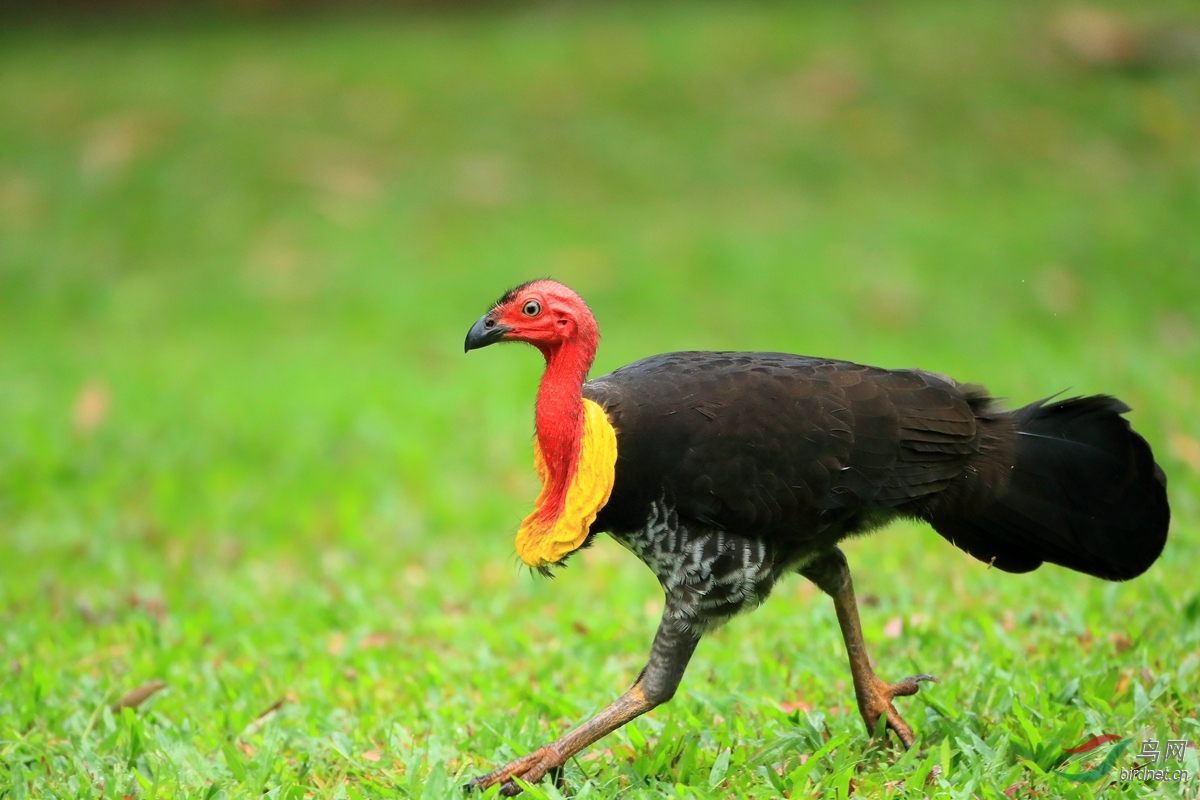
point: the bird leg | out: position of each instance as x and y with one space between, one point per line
655 685
831 574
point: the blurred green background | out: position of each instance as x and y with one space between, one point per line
241 450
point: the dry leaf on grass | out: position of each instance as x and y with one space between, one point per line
1120 642
262 719
91 407
373 640
135 697
1186 449
1099 38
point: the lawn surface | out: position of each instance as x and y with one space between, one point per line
242 453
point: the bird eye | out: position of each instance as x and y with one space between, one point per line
531 308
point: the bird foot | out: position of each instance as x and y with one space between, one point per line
876 702
530 769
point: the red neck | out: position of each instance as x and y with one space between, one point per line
559 414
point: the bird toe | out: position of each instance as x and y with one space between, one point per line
530 769
909 686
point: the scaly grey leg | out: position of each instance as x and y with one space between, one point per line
656 684
831 574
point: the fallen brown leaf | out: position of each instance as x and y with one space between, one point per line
154 606
592 755
371 755
91 407
110 653
1186 449
374 640
1099 38
86 612
135 697
115 142
267 715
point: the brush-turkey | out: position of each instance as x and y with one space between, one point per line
724 471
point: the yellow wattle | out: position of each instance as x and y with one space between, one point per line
541 542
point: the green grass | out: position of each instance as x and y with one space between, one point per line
241 450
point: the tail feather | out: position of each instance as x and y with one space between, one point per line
1084 492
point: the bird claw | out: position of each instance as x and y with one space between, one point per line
529 769
910 686
878 703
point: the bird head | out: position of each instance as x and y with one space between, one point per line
575 451
543 313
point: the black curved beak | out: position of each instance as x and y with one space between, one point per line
485 331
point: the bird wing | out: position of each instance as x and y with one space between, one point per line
752 442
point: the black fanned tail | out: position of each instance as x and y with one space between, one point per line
1084 493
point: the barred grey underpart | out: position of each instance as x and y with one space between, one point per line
707 575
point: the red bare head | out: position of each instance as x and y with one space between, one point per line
543 313
556 321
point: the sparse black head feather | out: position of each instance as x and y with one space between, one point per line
512 293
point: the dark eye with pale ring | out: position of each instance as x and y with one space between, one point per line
531 308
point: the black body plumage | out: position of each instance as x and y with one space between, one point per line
785 455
